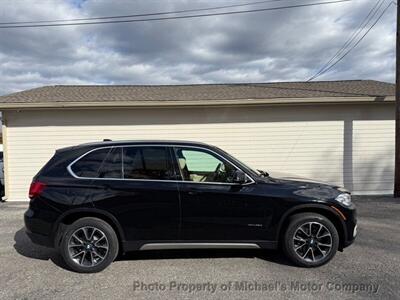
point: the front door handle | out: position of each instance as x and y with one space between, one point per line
193 193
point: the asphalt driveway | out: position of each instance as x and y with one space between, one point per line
369 268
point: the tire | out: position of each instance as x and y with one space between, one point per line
93 236
296 242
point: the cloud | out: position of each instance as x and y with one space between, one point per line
282 45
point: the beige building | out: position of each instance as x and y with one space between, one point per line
340 132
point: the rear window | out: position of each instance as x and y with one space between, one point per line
147 163
102 163
126 163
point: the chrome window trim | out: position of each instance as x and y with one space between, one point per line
69 167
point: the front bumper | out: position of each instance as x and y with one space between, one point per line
352 238
350 225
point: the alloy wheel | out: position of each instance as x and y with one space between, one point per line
312 241
88 246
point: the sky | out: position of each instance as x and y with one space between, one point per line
286 45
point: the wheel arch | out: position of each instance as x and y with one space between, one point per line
324 210
71 216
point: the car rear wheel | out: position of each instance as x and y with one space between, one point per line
310 240
89 245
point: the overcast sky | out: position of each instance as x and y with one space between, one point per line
287 45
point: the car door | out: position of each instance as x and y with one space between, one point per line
213 207
140 193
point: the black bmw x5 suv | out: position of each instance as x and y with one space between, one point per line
93 201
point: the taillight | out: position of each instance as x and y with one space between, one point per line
36 189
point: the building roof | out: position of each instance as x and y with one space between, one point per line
120 95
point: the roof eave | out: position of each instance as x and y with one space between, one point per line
184 103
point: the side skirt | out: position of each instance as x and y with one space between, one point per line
184 244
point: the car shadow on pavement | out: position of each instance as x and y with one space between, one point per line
272 256
25 247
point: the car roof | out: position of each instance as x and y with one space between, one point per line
107 142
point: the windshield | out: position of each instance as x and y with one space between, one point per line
242 165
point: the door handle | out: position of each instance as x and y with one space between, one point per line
193 193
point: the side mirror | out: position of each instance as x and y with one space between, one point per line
239 177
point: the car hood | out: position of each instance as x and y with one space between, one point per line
293 177
306 187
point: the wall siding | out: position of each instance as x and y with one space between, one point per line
345 145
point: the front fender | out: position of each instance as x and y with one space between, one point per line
323 209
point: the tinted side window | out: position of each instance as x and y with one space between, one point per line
147 163
201 166
102 163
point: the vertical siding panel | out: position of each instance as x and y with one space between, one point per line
373 156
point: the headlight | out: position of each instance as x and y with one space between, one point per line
344 199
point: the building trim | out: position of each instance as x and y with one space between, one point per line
5 157
190 103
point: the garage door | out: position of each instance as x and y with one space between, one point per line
346 145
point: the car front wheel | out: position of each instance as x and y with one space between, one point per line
310 240
89 245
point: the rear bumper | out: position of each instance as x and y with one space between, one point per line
38 239
38 231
